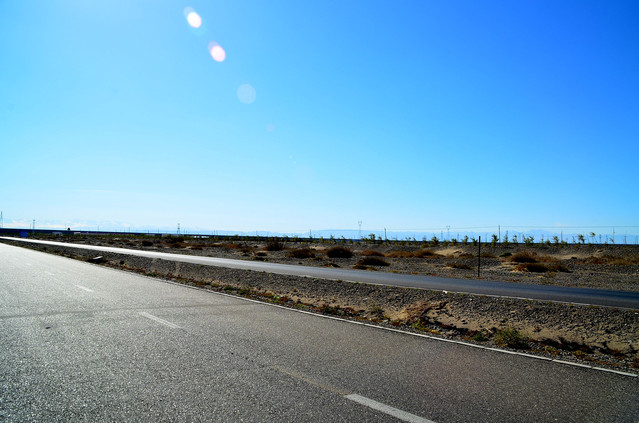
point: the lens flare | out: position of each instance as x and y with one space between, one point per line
194 20
217 52
246 93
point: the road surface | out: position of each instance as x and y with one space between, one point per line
609 298
81 342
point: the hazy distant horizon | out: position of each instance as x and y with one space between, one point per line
602 234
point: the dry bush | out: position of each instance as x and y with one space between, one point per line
510 337
372 261
399 254
274 245
524 257
147 243
232 246
532 267
302 253
339 252
558 267
424 254
371 253
612 260
459 266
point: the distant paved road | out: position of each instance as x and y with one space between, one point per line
81 342
610 298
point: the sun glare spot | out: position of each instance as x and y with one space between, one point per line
246 93
217 52
194 20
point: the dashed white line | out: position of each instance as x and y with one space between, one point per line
84 288
157 319
392 411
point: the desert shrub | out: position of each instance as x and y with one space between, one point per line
232 246
373 261
459 266
613 260
506 254
274 245
480 337
399 254
301 253
424 253
558 267
532 267
339 252
523 257
147 243
371 253
510 337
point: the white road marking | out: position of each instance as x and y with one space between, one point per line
421 335
392 411
387 409
84 288
157 319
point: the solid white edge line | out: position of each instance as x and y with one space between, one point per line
157 319
421 335
387 409
84 288
569 363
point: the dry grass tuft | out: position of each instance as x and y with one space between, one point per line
524 257
373 261
302 253
399 254
372 253
339 252
459 266
424 254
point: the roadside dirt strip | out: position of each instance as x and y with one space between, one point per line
586 335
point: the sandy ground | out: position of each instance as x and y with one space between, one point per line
595 335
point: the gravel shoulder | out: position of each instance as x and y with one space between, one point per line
596 336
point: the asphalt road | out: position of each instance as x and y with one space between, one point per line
610 298
81 342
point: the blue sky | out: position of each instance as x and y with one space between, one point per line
404 115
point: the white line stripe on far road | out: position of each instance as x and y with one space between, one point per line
84 288
400 414
157 319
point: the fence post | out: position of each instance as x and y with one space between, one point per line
479 258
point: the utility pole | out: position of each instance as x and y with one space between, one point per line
1 220
178 229
448 230
359 222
